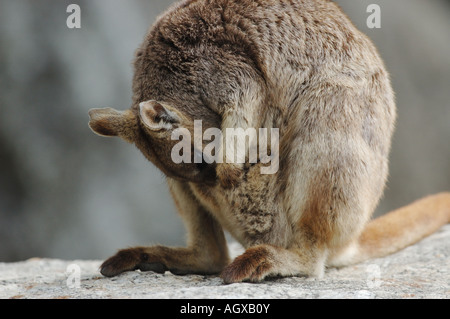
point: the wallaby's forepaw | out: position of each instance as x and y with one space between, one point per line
130 259
254 265
159 259
229 175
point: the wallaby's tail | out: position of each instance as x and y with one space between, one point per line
404 226
397 230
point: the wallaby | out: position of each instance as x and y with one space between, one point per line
297 65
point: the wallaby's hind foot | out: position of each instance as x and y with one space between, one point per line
265 261
253 265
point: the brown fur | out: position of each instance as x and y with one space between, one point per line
252 265
300 66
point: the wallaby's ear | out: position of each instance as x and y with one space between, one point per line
157 117
110 122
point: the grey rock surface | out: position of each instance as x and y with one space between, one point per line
419 271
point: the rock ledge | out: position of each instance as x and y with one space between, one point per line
419 271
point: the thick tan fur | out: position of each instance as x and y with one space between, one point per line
297 65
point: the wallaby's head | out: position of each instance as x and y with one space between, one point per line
150 128
173 85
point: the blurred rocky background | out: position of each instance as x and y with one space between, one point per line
66 193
